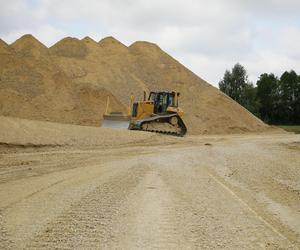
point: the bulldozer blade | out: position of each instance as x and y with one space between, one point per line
116 120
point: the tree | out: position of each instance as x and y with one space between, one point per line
268 97
236 85
235 82
225 83
249 100
289 91
297 102
276 101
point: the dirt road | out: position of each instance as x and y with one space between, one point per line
232 192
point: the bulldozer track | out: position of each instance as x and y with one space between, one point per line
164 132
161 121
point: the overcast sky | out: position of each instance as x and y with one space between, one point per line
206 36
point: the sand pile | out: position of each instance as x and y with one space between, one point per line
34 86
22 133
4 48
69 47
112 46
69 83
90 43
29 46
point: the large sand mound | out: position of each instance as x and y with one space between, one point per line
69 82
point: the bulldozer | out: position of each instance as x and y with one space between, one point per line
158 113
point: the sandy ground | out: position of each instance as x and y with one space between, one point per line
213 192
23 134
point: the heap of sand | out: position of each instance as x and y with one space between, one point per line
69 83
16 133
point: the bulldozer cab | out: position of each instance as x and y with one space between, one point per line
162 100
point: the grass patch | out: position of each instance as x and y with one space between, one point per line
292 128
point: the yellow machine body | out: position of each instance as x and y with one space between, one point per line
144 109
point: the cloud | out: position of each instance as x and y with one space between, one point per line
289 41
206 36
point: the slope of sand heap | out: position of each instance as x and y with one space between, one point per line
28 45
112 45
16 133
87 39
4 48
90 43
69 83
69 47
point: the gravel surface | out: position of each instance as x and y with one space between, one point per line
214 192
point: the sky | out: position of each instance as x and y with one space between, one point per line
208 37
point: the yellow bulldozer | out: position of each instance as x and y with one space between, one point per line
158 113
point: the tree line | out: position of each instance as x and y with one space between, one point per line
275 100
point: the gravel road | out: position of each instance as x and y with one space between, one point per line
217 192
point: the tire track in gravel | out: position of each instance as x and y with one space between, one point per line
89 223
210 216
5 243
151 218
245 204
